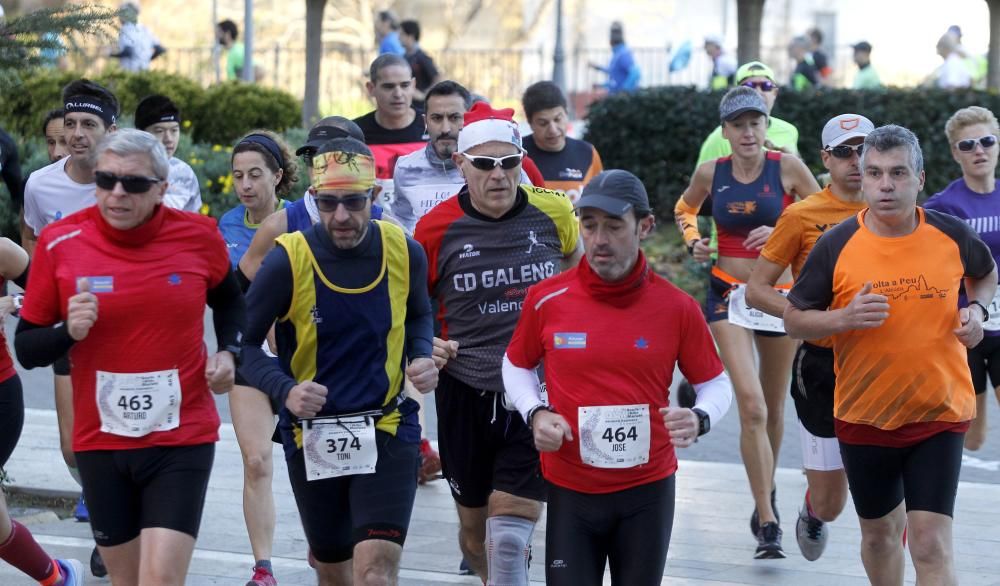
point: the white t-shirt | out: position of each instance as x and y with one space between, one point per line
51 194
183 191
954 74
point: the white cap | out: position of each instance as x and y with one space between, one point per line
845 127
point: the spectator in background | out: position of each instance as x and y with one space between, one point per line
425 73
226 33
805 75
567 164
159 116
55 135
867 78
10 169
387 33
819 58
953 72
977 65
136 44
723 64
623 73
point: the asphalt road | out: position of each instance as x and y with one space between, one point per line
721 445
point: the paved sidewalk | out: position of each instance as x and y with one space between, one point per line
711 542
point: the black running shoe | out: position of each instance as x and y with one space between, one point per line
769 543
755 517
97 565
464 569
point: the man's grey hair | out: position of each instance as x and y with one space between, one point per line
129 141
892 136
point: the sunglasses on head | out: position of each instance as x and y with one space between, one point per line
843 151
352 203
130 183
764 86
969 144
484 163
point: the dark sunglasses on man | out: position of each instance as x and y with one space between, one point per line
484 163
130 183
968 145
764 86
843 151
352 203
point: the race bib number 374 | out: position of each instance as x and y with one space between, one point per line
614 436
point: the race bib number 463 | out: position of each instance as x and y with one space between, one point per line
138 403
614 436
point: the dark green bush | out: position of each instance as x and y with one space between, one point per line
231 109
218 115
657 133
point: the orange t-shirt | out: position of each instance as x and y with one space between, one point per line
798 228
912 368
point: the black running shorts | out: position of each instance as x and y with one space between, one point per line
984 360
338 513
483 446
925 475
11 416
131 490
629 529
61 366
813 381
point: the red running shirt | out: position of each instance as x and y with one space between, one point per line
151 284
611 344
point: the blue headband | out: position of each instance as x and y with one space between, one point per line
268 144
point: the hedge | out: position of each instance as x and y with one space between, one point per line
656 133
218 115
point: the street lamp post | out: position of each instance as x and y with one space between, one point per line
558 56
248 68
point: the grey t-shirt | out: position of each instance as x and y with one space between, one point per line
479 270
183 190
51 194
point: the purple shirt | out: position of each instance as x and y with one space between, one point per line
981 211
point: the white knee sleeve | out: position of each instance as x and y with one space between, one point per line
508 546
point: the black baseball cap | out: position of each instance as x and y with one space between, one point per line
615 191
322 134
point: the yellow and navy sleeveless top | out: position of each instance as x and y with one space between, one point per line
360 360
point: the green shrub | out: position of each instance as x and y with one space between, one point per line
657 133
131 88
231 109
24 106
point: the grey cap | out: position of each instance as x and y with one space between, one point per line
616 192
739 100
845 127
321 134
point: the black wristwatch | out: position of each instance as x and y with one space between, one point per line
536 409
235 351
704 422
986 312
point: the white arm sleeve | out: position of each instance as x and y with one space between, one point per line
522 387
713 396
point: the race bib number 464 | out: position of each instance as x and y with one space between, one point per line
614 436
138 403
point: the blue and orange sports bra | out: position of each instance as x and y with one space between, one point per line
738 208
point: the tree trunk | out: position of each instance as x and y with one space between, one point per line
993 57
314 58
749 14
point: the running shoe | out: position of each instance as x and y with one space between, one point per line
755 518
430 463
769 543
464 569
72 572
80 511
262 577
811 533
97 564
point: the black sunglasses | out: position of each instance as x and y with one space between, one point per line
130 183
843 151
352 203
969 144
484 163
765 86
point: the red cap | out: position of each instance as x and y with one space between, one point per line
483 111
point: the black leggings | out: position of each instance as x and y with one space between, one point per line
630 529
11 416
